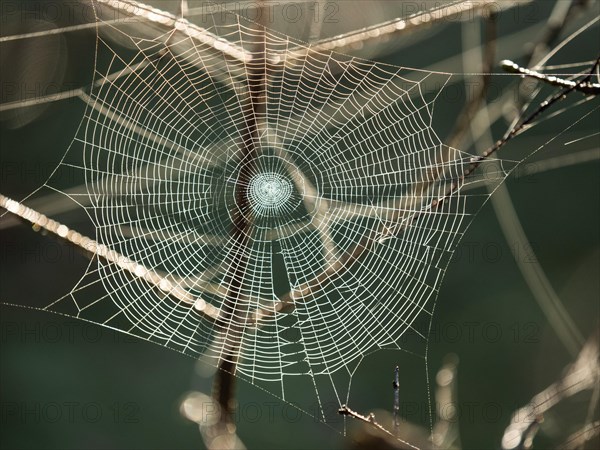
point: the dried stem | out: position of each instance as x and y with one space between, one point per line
452 11
587 87
138 271
532 271
370 419
578 439
583 374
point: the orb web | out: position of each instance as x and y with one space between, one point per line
342 248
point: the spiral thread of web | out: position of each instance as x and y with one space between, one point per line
339 200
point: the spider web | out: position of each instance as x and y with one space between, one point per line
344 244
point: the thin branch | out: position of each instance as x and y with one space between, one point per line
587 87
456 10
138 271
578 439
147 13
370 419
54 31
520 127
583 374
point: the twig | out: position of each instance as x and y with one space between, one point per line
583 374
370 419
530 433
142 12
456 10
578 439
135 269
516 130
585 87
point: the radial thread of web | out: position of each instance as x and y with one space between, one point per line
346 249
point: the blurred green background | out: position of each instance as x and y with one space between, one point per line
70 384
